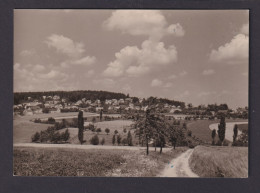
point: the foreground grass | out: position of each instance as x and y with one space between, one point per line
64 162
220 161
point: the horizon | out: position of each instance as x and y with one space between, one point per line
193 56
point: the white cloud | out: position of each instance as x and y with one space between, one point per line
38 68
89 73
107 82
16 66
245 74
206 93
183 73
27 52
168 85
234 52
208 72
134 61
142 22
182 95
156 83
245 29
85 61
53 74
172 77
65 45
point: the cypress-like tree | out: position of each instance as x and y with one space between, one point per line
81 127
213 135
114 139
129 139
222 129
235 133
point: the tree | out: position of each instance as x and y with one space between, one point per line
222 130
107 130
213 135
114 140
93 120
118 139
235 133
129 139
66 135
184 126
94 140
98 130
103 141
124 141
100 115
115 132
36 137
124 130
81 127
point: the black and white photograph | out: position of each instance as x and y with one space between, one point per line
131 93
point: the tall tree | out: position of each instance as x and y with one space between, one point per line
235 134
222 129
81 127
213 135
129 139
100 115
114 139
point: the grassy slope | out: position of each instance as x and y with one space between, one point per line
209 161
200 128
62 162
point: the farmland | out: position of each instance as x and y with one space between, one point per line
216 161
97 162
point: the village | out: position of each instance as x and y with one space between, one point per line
56 104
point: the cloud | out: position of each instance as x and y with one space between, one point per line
134 61
53 74
245 29
168 85
183 73
156 83
172 77
65 45
27 52
142 22
206 93
106 82
38 68
89 73
182 95
85 61
245 74
234 52
208 72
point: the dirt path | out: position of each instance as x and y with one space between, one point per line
77 146
179 167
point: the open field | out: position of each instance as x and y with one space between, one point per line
218 161
24 129
200 128
92 162
118 125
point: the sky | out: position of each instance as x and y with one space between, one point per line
194 56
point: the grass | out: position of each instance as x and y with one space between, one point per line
65 162
118 125
220 161
200 128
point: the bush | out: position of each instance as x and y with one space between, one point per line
94 140
98 130
36 137
124 141
51 120
107 130
102 141
37 121
65 136
189 133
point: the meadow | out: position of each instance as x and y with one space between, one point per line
215 161
90 162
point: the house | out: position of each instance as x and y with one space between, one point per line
28 112
98 109
56 97
121 101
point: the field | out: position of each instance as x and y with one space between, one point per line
200 128
98 162
220 161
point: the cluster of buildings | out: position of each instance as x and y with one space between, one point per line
56 104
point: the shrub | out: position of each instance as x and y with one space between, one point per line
99 130
51 120
124 141
102 141
116 132
37 121
65 135
129 139
189 133
114 140
36 137
118 139
107 130
94 140
124 130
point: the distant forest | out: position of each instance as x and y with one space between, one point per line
74 96
71 96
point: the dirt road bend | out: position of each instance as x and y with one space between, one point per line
179 167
